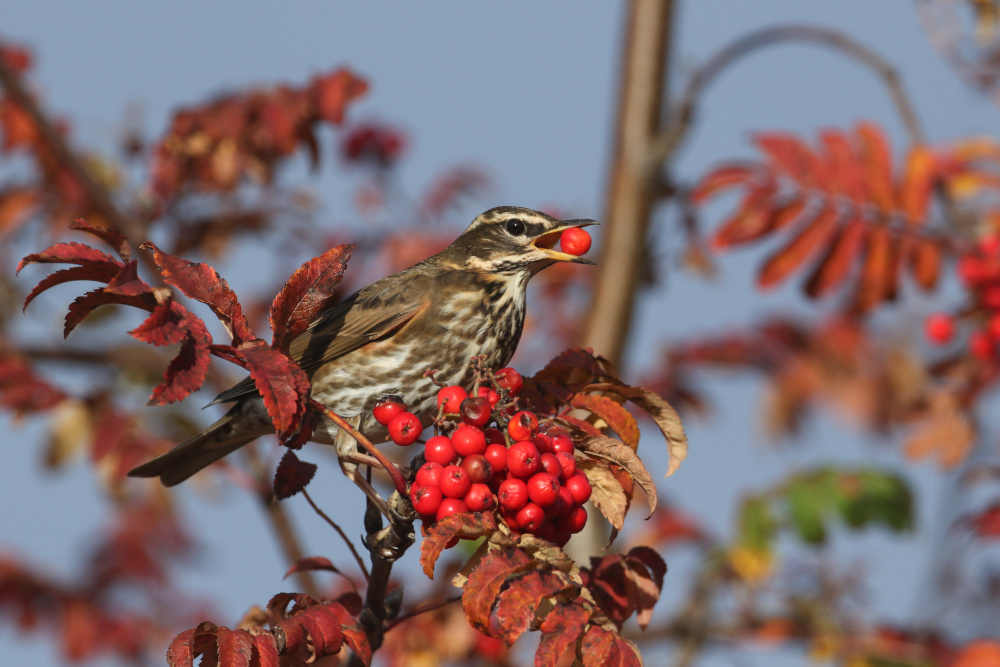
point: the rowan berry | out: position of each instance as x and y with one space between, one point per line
489 395
478 467
513 494
562 443
550 464
575 241
530 517
544 443
468 440
476 411
497 456
523 425
440 450
425 499
429 474
450 506
451 398
579 487
971 270
991 297
510 380
573 522
939 328
404 429
566 501
388 407
567 465
982 346
455 482
543 489
523 459
480 498
495 436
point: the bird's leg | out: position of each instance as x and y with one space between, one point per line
347 450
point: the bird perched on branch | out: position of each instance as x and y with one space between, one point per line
467 300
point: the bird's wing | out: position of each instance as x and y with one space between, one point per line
352 323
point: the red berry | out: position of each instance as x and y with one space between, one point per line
429 474
425 499
478 467
991 297
543 489
939 328
455 482
971 270
510 380
993 326
562 443
543 442
572 522
523 425
510 517
523 459
550 464
404 429
575 241
451 398
388 407
981 345
546 531
530 517
513 494
579 486
566 501
450 506
440 450
476 411
468 440
480 498
989 245
497 456
495 436
567 464
489 395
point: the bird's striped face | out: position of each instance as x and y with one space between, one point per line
510 240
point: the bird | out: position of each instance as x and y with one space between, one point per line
466 301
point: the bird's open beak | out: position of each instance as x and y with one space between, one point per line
546 242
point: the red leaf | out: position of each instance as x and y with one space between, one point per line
651 559
986 524
800 249
100 273
180 652
17 205
844 174
283 385
617 417
839 259
918 183
333 92
602 648
202 282
580 424
311 563
877 160
791 156
750 221
924 259
82 306
485 582
265 652
127 281
291 477
723 178
308 292
518 604
235 647
166 325
70 253
114 239
185 373
560 629
465 525
879 270
354 634
324 629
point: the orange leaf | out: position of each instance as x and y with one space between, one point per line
560 629
787 213
485 582
878 276
750 221
918 180
924 259
724 177
843 168
16 206
839 258
465 525
617 417
790 156
805 244
877 159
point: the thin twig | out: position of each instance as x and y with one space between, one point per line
340 531
422 609
677 129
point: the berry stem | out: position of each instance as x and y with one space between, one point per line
397 477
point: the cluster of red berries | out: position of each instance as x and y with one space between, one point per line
979 272
494 461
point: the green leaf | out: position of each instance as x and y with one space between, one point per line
757 523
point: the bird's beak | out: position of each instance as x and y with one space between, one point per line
547 241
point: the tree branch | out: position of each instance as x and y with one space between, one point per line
340 531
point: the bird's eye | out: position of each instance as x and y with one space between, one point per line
515 227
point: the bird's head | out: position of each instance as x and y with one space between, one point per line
510 239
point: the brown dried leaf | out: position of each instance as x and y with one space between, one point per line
617 452
612 412
607 493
